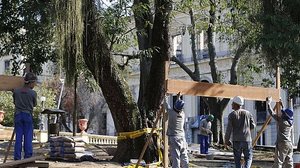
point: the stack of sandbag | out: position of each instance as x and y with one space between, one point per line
66 148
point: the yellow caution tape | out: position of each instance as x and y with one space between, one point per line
135 134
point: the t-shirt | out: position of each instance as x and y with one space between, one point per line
24 100
240 123
175 123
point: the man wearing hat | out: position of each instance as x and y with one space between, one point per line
205 126
176 135
284 146
240 124
24 100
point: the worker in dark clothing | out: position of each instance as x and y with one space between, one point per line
24 100
240 124
284 146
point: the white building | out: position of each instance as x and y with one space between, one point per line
182 49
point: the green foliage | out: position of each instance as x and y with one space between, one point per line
280 40
237 23
252 69
118 26
6 104
26 31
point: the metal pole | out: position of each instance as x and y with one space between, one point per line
165 122
75 107
61 91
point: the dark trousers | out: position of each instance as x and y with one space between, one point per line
204 144
24 129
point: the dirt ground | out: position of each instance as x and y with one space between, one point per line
85 164
102 155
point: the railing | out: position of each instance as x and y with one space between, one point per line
42 136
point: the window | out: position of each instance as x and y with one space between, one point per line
261 111
201 45
6 65
177 46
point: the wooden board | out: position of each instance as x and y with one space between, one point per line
33 164
8 83
220 90
19 162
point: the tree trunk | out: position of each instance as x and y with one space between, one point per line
144 30
144 35
125 112
298 147
160 45
116 91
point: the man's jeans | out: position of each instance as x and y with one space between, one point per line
204 144
244 147
24 129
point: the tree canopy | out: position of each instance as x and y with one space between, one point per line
26 33
280 40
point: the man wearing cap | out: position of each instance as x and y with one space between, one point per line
240 124
176 135
284 146
24 100
205 126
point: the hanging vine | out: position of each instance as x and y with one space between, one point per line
69 35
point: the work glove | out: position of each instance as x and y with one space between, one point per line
269 100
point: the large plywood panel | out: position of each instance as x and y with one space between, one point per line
220 90
8 83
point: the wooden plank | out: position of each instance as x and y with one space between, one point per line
33 164
165 122
18 162
220 90
8 83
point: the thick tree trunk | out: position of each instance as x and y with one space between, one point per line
144 33
124 110
117 93
160 45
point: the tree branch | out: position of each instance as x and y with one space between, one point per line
184 67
